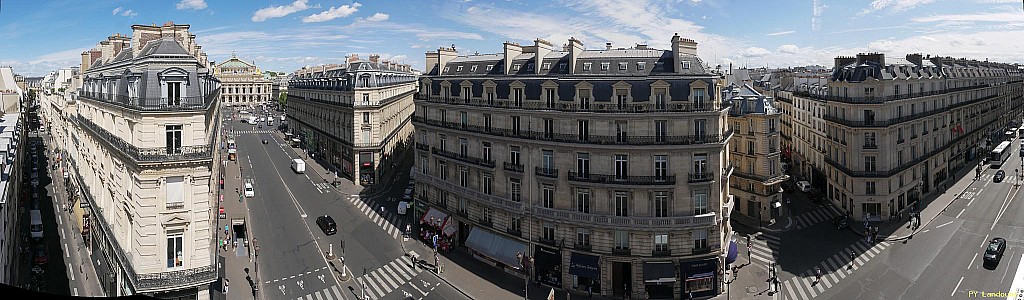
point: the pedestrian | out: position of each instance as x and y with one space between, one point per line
817 275
852 257
225 286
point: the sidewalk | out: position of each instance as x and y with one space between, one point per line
782 224
238 264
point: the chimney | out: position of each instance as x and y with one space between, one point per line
575 48
354 57
914 58
86 62
608 46
511 51
437 60
374 58
875 57
543 48
682 46
841 61
641 46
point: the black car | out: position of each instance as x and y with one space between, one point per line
999 176
327 224
994 251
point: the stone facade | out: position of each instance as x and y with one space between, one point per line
608 168
242 83
756 152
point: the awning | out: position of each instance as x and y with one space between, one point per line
733 253
449 228
584 265
496 247
659 272
438 216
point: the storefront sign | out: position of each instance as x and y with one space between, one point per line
585 265
548 264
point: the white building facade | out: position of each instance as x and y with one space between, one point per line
242 83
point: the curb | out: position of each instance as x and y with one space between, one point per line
919 228
452 285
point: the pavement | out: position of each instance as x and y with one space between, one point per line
237 264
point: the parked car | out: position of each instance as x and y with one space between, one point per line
994 251
40 255
326 223
804 186
999 176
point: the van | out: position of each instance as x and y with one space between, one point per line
36 226
249 192
804 186
298 166
403 207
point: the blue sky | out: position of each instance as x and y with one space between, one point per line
283 35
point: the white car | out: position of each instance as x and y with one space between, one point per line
249 192
804 186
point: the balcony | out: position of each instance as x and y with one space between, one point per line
665 252
191 103
544 172
486 222
882 99
175 205
871 146
148 155
764 179
624 180
701 177
593 107
696 139
422 146
491 200
549 242
518 168
701 250
582 247
614 222
463 158
621 251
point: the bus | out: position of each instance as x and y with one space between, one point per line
1000 154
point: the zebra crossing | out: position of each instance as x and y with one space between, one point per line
385 223
989 177
815 216
330 293
764 248
387 278
268 131
833 270
322 187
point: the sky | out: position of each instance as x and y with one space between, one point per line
283 35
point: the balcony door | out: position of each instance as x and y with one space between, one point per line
173 139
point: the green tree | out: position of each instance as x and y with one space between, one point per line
282 98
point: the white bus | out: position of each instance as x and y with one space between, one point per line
1000 154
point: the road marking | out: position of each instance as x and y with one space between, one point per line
293 276
66 252
923 231
972 260
972 201
75 291
979 191
60 220
62 232
282 289
985 241
957 286
71 271
418 289
1003 207
944 224
962 211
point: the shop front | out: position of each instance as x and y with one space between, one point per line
700 278
366 174
659 278
496 248
586 272
434 223
548 266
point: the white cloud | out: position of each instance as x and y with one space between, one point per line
780 33
893 6
817 8
271 12
116 10
191 4
755 52
129 13
333 13
789 49
378 17
979 17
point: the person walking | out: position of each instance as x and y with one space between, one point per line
817 275
852 257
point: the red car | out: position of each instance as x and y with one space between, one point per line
40 255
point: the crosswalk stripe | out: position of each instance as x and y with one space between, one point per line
789 290
370 283
381 284
878 248
820 286
398 271
317 294
807 285
383 272
410 270
835 268
798 287
327 294
309 296
337 293
824 280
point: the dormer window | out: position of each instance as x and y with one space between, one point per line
489 67
515 67
472 68
546 66
529 67
458 69
622 66
686 64
445 70
605 65
660 66
641 65
586 66
561 67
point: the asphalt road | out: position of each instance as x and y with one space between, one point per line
283 215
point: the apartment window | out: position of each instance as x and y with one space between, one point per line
869 163
583 200
700 238
586 66
513 155
621 166
698 97
545 66
583 237
700 202
621 240
442 142
463 118
458 69
660 167
489 67
487 122
515 189
899 135
517 97
463 147
442 169
548 159
486 150
620 131
660 128
897 89
173 93
621 204
700 128
622 66
700 163
548 195
515 67
869 187
659 98
549 128
549 231
486 182
424 163
488 215
173 138
661 204
175 248
463 176
583 129
366 99
604 66
444 116
561 67
686 64
463 204
472 68
444 71
661 242
750 147
515 125
582 164
515 224
869 139
175 187
640 65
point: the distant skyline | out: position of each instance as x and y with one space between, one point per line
42 36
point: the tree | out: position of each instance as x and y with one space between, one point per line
282 98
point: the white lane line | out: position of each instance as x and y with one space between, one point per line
66 252
972 201
421 291
972 260
71 271
957 286
62 232
962 211
985 241
944 224
979 191
1003 207
60 220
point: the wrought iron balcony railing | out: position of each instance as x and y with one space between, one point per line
422 146
701 177
593 106
617 179
189 103
551 173
463 158
156 154
607 221
513 167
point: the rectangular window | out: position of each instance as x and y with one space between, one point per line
487 122
751 147
173 139
660 167
561 67
442 169
515 125
583 129
869 187
513 155
640 65
549 128
424 165
583 200
621 167
515 67
442 142
472 68
517 97
464 118
869 163
175 191
515 189
659 98
700 128
700 239
686 64
622 66
545 66
621 204
489 67
548 195
366 118
661 242
700 163
586 66
548 159
660 130
458 69
583 237
621 240
604 66
698 97
700 203
549 231
463 176
173 93
661 204
175 248
582 164
486 181
621 133
463 147
366 99
486 150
